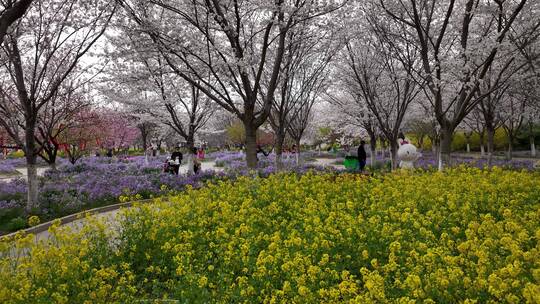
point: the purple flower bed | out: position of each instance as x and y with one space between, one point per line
235 160
21 162
235 165
224 159
7 168
93 182
429 161
100 181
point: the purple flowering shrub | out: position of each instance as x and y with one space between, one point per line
99 181
226 158
235 164
12 198
236 160
428 161
94 182
7 168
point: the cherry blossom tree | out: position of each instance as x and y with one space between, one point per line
57 116
513 118
475 123
83 135
10 12
305 70
119 130
350 112
38 56
378 70
149 87
232 42
458 42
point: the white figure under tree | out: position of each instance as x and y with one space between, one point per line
407 154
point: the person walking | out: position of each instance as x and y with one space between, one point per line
362 156
154 149
200 153
196 161
176 158
260 150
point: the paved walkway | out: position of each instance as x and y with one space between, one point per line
23 174
327 162
108 217
211 165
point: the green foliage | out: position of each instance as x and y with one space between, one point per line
16 154
17 224
523 136
236 133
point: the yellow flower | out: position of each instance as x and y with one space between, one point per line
323 238
33 220
303 291
203 281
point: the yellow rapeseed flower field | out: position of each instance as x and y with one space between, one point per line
462 236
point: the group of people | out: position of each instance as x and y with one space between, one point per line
291 150
173 163
109 153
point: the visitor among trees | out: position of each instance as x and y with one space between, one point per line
261 150
196 161
175 161
362 156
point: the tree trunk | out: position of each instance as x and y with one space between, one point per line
533 146
298 160
144 142
251 145
393 154
189 162
482 149
468 148
421 142
32 196
439 157
490 144
190 144
31 160
52 159
510 147
280 139
446 146
373 151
